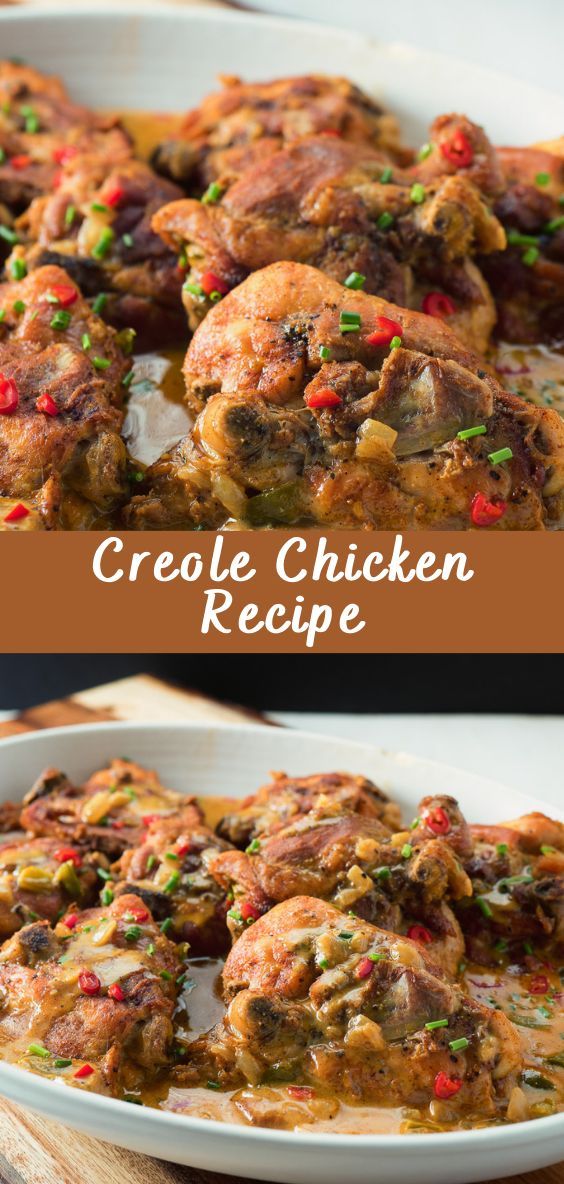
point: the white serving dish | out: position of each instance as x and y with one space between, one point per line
234 761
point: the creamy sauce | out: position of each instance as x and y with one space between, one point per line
149 128
156 417
534 372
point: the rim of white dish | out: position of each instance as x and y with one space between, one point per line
539 1129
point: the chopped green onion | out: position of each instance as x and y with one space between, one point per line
37 1050
469 433
166 925
193 289
151 947
212 194
546 850
100 250
325 353
2 314
424 151
415 824
19 306
417 193
70 215
128 379
101 363
345 936
127 240
484 906
543 178
106 896
395 343
382 873
355 280
18 269
375 957
62 1062
407 851
529 258
497 458
527 947
502 848
171 855
458 1045
103 874
253 847
386 176
555 224
516 239
61 320
436 1024
323 963
166 975
349 322
100 303
151 862
133 933
99 207
213 1085
86 341
172 882
8 235
385 220
2 156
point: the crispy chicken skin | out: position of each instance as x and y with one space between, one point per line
39 129
399 882
40 878
346 1013
170 872
517 874
75 436
247 122
97 225
385 455
285 798
322 201
58 991
110 813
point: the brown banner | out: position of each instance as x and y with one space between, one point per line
283 592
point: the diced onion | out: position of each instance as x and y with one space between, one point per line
374 439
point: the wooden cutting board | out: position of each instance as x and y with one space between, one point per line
33 1150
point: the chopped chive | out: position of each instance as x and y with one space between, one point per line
128 379
166 975
151 862
166 925
395 343
19 306
417 193
99 207
51 298
375 957
530 256
502 848
349 322
253 847
415 824
546 850
171 855
100 250
212 194
382 873
527 947
103 874
497 458
62 1062
193 289
70 215
468 433
355 280
436 1024
325 353
8 235
213 1085
127 240
61 320
458 1045
344 936
484 906
407 851
133 933
516 239
151 947
386 176
2 156
555 224
323 963
424 151
234 914
100 303
172 882
544 1011
543 179
18 269
37 1050
86 341
101 363
2 314
385 220
106 896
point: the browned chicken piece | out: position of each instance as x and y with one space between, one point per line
527 279
458 147
40 878
247 122
111 812
41 512
340 207
517 874
97 993
40 129
97 225
327 406
10 818
399 882
287 798
61 391
364 1015
170 872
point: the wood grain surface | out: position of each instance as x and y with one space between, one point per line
33 1150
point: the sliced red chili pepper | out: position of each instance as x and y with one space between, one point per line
248 911
484 512
18 511
539 985
57 179
89 982
84 1071
118 824
301 1092
147 819
446 1087
420 933
20 162
139 915
364 968
47 404
319 400
384 332
438 821
458 150
66 294
71 921
437 304
210 282
115 992
9 395
67 855
114 196
183 848
330 131
65 153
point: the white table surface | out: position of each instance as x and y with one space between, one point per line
524 751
